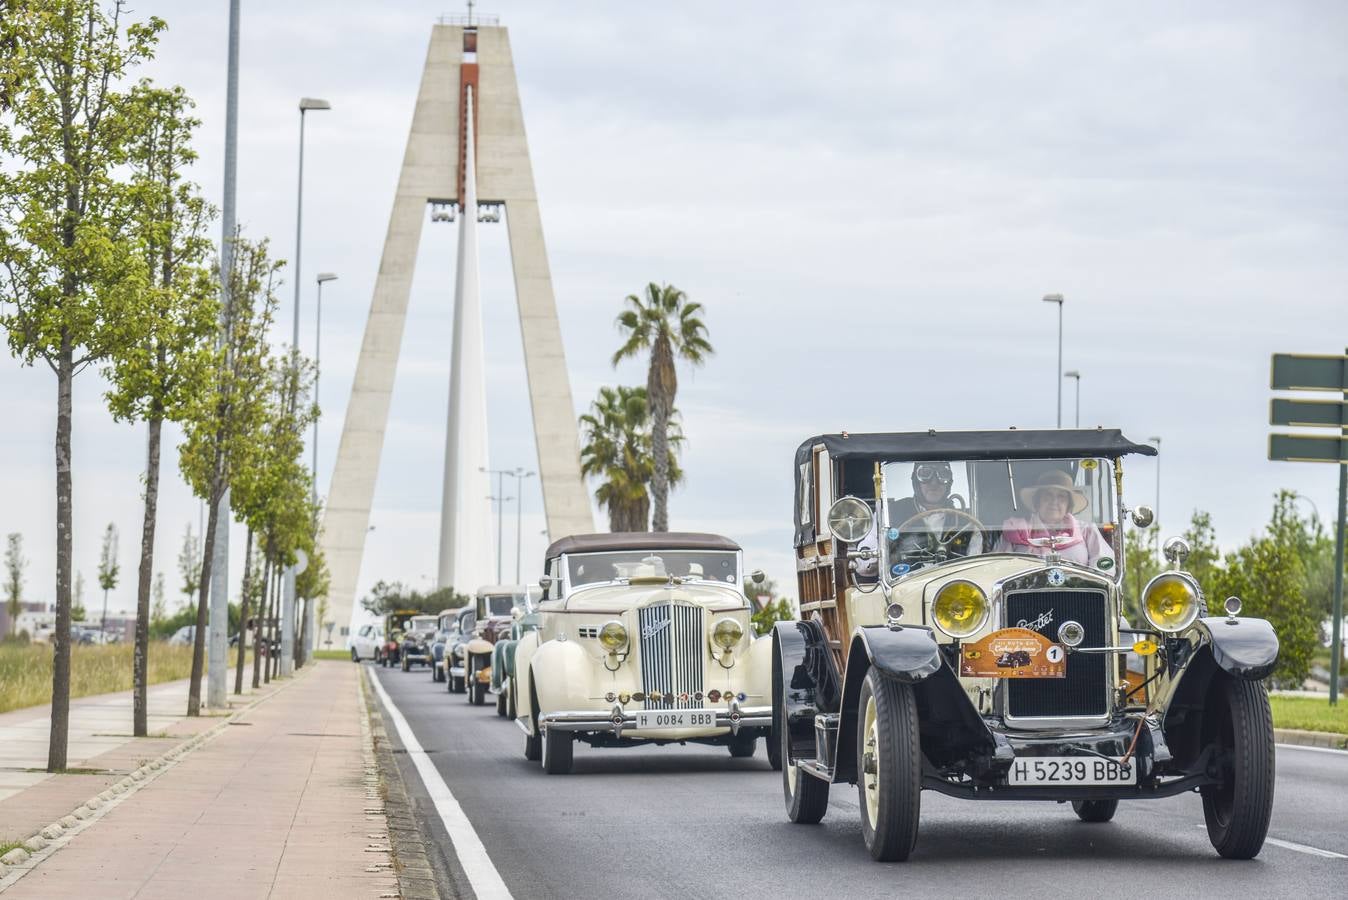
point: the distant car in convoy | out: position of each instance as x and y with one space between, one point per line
642 638
443 622
365 642
458 626
471 656
389 652
524 619
416 645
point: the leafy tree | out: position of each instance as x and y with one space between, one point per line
109 569
666 322
1140 566
77 614
189 563
162 361
769 608
386 597
15 563
67 264
618 449
230 411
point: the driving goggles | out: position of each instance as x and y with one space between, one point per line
926 473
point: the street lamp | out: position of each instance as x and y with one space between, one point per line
1057 298
306 104
500 501
520 475
318 339
1077 375
1157 441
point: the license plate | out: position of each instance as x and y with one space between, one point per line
670 719
1070 770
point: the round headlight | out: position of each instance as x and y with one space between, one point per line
726 633
960 609
1170 602
613 636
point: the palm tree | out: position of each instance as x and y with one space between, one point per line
667 323
617 449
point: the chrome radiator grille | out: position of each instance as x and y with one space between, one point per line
671 653
1084 691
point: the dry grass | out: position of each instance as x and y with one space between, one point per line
25 671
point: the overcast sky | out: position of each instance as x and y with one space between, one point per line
870 200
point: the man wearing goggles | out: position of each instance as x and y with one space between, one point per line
925 528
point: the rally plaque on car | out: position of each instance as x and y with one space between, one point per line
1013 653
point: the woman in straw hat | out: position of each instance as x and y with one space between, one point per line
1054 501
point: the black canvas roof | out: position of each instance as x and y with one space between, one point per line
917 446
639 540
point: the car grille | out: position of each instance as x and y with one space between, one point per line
1084 691
671 653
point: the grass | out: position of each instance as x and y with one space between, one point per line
332 654
1310 714
25 670
6 846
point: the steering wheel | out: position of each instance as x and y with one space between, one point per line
943 539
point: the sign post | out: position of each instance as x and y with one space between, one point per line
1300 372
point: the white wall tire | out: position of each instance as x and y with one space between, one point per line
889 767
806 796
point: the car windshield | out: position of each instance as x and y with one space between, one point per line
623 565
423 623
498 604
940 510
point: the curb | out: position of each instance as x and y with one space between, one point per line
36 848
1311 738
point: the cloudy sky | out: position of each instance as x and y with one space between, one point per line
869 198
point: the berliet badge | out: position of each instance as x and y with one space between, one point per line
1056 577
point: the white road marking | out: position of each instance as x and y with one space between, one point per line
477 865
1302 848
1312 749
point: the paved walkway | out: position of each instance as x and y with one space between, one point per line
273 806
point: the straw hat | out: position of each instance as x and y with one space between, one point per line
1059 480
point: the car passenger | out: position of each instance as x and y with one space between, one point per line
1053 525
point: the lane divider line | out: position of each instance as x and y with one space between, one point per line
1311 749
1302 848
482 875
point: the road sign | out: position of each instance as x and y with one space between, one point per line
1304 372
1308 413
1308 448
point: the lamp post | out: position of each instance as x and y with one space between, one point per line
520 475
1077 375
1057 298
318 340
500 501
1157 524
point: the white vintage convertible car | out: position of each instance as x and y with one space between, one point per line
642 638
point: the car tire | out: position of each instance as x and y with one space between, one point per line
1095 810
742 745
501 704
455 685
512 707
355 657
405 665
806 796
1237 811
774 750
533 743
558 752
889 767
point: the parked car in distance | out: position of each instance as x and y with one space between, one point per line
390 647
365 642
416 646
962 599
642 638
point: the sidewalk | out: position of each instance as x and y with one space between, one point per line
275 805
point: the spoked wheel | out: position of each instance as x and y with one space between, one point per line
743 745
558 751
1237 811
889 761
1095 810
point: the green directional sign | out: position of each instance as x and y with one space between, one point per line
1308 413
1308 448
1304 372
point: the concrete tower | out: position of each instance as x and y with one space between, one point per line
465 60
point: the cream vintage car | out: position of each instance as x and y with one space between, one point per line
643 638
967 628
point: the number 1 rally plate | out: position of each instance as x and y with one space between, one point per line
1013 653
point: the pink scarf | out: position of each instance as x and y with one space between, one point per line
1019 532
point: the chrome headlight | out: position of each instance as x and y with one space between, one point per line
960 609
1170 602
613 636
726 633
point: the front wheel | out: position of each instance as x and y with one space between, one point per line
355 657
406 666
1095 810
512 708
558 751
1238 809
743 745
501 704
889 763
806 796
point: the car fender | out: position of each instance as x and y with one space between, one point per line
755 667
563 677
1243 647
524 696
804 682
478 646
498 665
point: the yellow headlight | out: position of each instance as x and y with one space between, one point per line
613 636
960 609
726 633
1170 602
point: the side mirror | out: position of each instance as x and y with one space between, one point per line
1143 517
757 576
545 582
850 519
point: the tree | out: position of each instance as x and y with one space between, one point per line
1140 566
79 596
390 596
162 362
189 563
14 566
108 570
767 611
66 260
618 449
229 412
667 324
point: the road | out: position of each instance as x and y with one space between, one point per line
690 821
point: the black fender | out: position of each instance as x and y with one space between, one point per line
1243 648
950 728
804 682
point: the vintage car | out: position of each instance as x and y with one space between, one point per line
524 619
642 638
456 632
963 630
389 651
471 654
443 623
416 646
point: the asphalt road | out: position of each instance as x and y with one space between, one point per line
690 821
